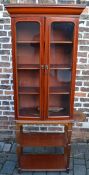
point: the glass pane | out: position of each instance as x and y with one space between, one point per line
61 48
28 44
28 66
28 31
62 31
29 105
60 55
58 105
27 55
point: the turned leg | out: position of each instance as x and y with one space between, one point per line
67 149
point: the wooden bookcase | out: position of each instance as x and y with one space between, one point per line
44 50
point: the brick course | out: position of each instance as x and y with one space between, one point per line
6 81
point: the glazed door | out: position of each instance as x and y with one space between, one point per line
28 56
61 68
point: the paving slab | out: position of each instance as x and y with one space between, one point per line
79 162
11 157
1 166
2 158
13 149
8 168
87 171
87 164
74 150
87 155
71 163
65 173
79 170
53 173
39 173
83 147
1 146
26 173
7 147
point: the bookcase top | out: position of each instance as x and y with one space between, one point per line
17 9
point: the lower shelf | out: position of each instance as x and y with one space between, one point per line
31 112
41 139
42 162
35 112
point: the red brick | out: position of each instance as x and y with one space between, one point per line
86 35
4 64
1 92
84 48
83 60
83 42
83 29
80 94
85 89
7 70
82 54
9 92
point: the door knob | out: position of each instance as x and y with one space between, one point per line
46 67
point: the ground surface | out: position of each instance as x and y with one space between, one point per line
79 160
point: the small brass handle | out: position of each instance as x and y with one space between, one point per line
42 67
46 67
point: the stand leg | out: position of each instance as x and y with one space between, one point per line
68 132
19 149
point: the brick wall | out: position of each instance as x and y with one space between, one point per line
82 76
7 123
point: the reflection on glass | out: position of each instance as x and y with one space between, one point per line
28 54
57 76
60 55
28 31
29 105
62 31
28 66
28 44
28 88
58 105
61 47
28 78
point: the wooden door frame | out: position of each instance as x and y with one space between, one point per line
14 20
49 20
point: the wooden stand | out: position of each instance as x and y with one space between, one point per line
43 162
46 162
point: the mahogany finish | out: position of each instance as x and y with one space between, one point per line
40 162
44 50
40 139
14 9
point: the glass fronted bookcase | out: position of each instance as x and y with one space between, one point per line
44 52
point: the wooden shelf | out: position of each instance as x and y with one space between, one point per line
64 112
37 66
29 90
28 42
41 139
43 162
35 112
30 112
28 66
61 42
60 66
59 90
